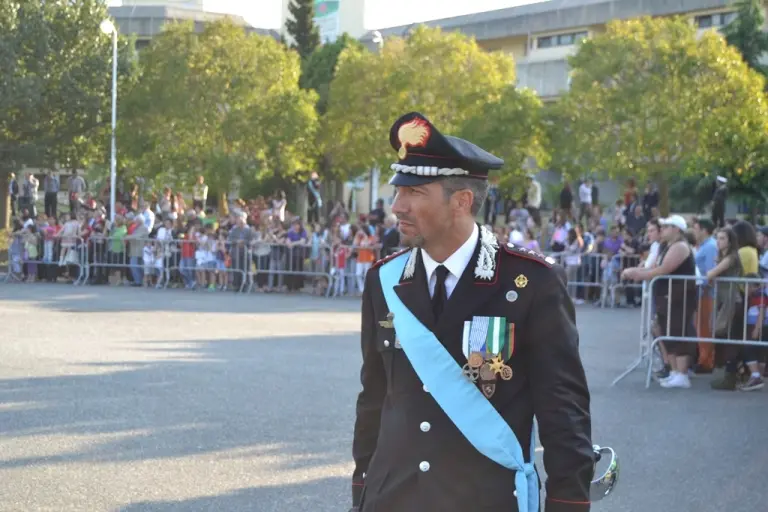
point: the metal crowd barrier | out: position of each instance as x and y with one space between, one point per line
598 272
171 262
270 265
278 265
682 314
54 255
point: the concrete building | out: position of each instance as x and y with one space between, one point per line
145 18
542 35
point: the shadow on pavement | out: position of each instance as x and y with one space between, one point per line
298 497
103 299
245 398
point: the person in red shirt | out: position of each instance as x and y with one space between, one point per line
188 247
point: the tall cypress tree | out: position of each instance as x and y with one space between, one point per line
302 28
746 33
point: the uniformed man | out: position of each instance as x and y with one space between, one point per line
464 340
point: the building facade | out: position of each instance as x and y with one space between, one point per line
146 18
541 36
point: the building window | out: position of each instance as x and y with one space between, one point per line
560 40
719 19
545 42
141 44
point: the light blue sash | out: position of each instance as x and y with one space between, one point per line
467 408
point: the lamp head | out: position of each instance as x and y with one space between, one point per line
378 39
107 27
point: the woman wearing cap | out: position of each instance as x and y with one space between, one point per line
675 299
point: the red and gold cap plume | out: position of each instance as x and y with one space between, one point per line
414 133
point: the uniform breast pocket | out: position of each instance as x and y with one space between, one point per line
385 344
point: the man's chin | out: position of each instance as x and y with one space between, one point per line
411 241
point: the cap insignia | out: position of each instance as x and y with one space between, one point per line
414 133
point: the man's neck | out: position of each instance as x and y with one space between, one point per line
442 248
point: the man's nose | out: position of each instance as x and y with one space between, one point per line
398 205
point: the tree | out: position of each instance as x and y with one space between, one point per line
512 128
55 92
444 75
302 28
650 99
746 33
221 103
319 69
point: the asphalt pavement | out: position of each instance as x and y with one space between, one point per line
133 400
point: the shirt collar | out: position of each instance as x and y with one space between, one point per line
456 262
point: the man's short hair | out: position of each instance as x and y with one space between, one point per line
478 187
706 224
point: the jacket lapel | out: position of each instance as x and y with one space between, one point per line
414 293
470 294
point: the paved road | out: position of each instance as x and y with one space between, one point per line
128 400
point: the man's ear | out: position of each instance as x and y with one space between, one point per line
463 199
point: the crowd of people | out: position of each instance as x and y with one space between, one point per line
164 242
609 256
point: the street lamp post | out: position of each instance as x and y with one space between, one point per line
107 27
373 177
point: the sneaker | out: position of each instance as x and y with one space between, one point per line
662 374
726 383
753 384
677 380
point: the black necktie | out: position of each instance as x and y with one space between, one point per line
441 295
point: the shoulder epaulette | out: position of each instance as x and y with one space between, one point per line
528 254
388 258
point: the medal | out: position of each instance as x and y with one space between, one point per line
487 373
471 373
506 372
475 360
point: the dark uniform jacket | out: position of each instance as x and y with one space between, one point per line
410 457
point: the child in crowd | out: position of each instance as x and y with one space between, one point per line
16 249
222 260
148 257
340 254
757 330
31 240
205 260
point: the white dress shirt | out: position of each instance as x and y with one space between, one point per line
456 263
585 194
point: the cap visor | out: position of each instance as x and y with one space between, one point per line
403 179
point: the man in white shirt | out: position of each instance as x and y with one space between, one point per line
455 281
585 199
147 215
533 199
199 194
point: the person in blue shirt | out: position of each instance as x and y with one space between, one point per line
706 259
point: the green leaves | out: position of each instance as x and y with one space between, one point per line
444 75
56 82
301 27
222 103
650 99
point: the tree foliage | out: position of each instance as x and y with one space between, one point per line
444 75
319 69
302 28
511 128
55 90
652 100
222 103
746 33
